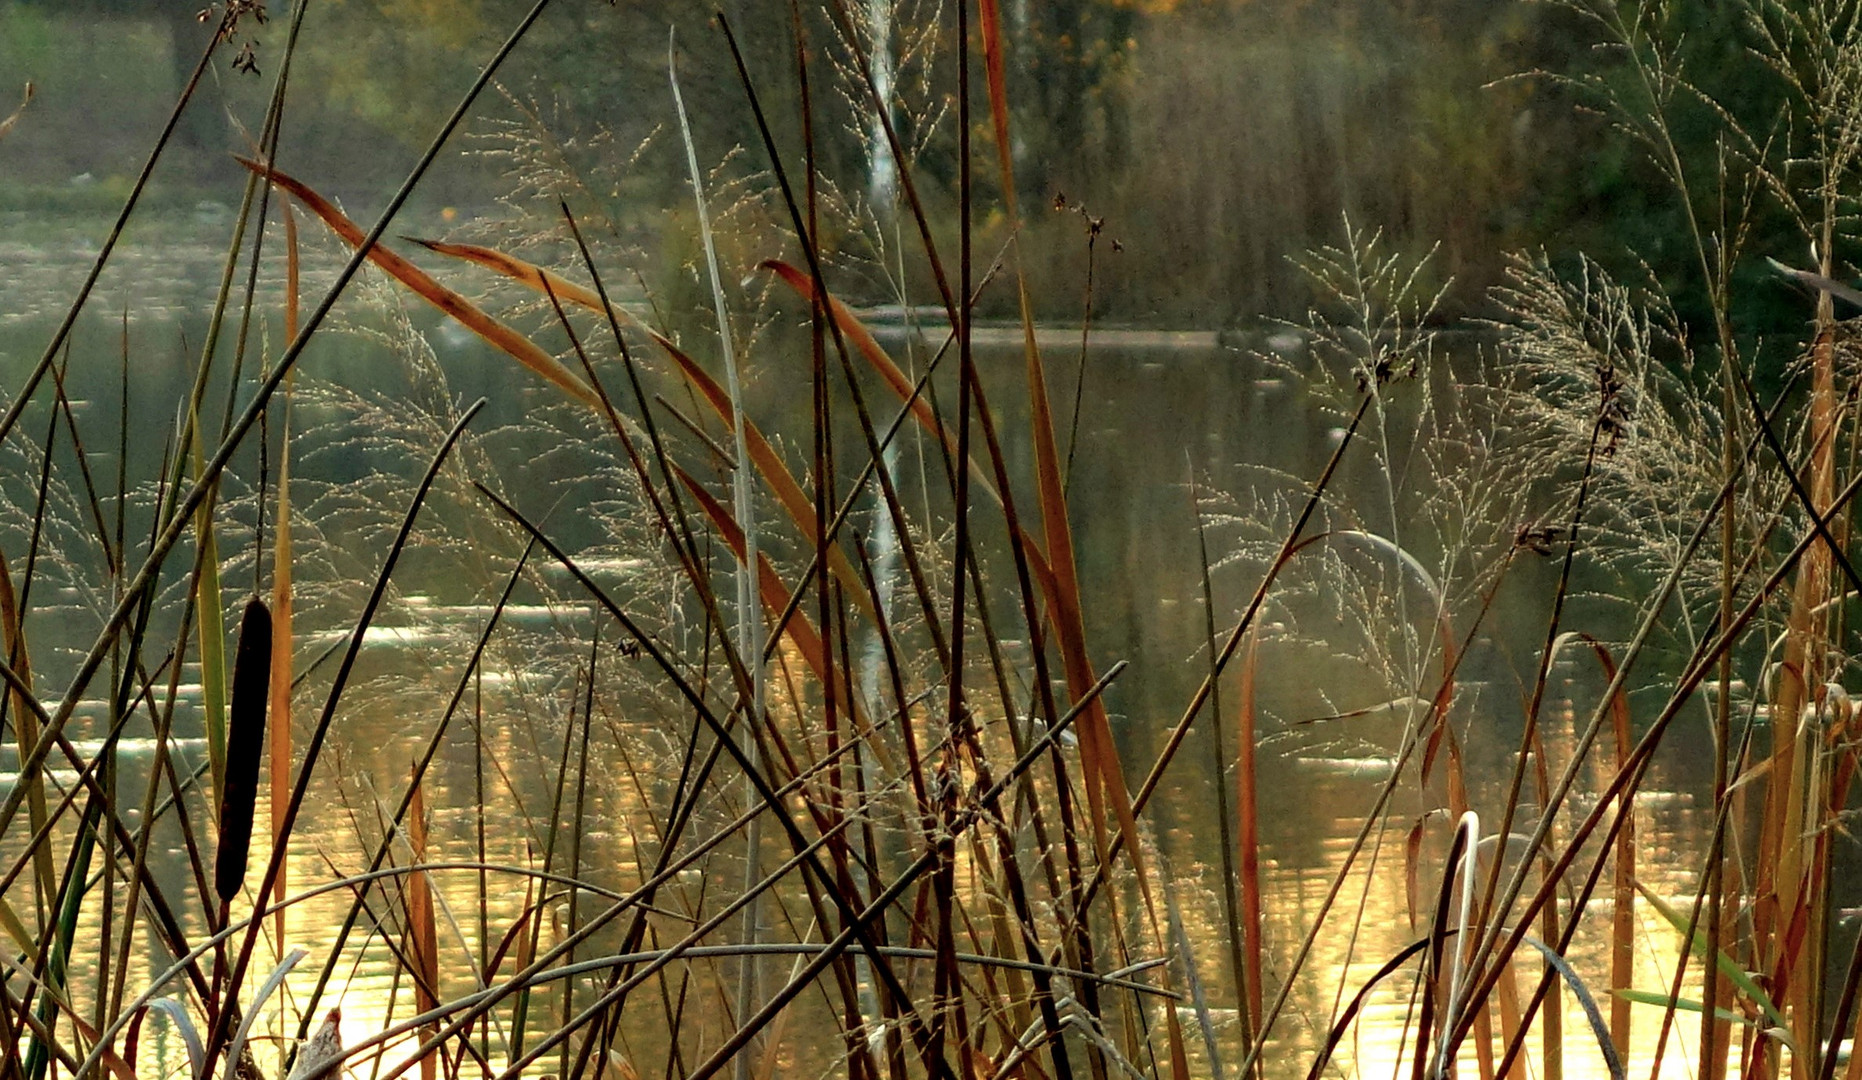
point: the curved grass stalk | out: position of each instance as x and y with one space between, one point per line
749 619
1467 841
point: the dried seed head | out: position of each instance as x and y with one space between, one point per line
245 746
321 1053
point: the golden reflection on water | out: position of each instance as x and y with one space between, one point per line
1314 798
1313 808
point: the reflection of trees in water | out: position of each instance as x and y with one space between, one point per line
1217 138
1226 135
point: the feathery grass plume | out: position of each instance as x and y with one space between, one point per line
245 747
719 399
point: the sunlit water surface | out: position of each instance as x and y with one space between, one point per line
1157 410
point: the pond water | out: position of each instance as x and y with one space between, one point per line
1157 411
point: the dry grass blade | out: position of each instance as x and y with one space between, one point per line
495 333
1098 752
245 745
1248 813
1623 899
529 274
781 481
292 292
210 613
1412 869
423 951
25 728
282 664
990 13
876 356
13 117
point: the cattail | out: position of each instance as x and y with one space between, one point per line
245 745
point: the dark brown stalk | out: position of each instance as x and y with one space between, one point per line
957 709
682 539
861 1062
268 144
112 557
1438 937
1093 226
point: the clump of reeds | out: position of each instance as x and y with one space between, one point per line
828 770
